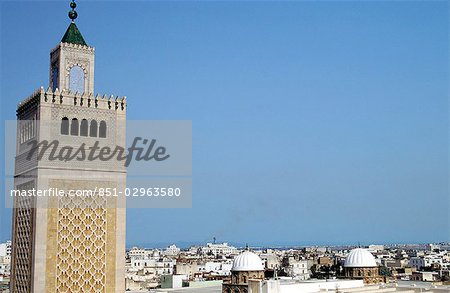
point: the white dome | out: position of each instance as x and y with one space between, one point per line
360 258
247 261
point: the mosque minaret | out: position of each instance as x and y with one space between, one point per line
68 244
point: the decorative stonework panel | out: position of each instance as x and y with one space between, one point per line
81 244
23 237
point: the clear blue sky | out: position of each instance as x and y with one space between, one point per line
313 122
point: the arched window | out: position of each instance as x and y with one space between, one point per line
244 279
74 127
84 128
24 131
65 126
93 129
102 129
27 128
76 79
33 126
54 77
21 132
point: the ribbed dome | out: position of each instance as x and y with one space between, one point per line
247 261
360 258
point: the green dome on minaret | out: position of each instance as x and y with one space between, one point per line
73 35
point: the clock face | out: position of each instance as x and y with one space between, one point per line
76 79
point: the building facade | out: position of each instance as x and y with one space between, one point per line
69 243
218 249
421 262
5 248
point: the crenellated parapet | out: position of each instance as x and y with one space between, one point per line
66 97
85 48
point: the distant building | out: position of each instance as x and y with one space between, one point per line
5 266
218 249
5 259
172 281
325 261
216 268
172 250
425 276
395 263
425 261
5 248
433 247
316 249
376 247
271 261
296 268
139 253
155 266
189 268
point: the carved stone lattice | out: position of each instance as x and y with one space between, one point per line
23 242
81 257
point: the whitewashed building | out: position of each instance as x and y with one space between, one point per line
172 250
5 248
218 249
425 261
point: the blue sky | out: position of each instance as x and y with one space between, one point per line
313 122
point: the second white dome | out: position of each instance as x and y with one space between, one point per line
247 261
360 258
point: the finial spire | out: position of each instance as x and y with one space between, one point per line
73 14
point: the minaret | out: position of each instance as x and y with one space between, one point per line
66 243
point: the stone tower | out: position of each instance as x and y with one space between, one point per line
69 243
